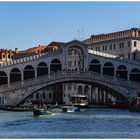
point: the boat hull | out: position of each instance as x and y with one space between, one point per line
70 109
81 105
41 112
134 109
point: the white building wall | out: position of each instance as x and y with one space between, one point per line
123 48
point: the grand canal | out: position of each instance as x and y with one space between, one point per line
88 123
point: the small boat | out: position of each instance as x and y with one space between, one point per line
70 108
38 112
41 112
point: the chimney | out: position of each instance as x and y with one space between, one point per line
16 50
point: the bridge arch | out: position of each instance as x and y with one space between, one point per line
122 72
29 72
95 66
114 91
108 69
55 65
42 69
3 78
15 75
135 75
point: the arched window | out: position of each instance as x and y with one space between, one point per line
3 78
15 75
95 66
86 90
55 65
37 95
80 90
135 75
108 69
44 95
42 69
50 95
29 72
121 72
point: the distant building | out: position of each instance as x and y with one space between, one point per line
31 51
124 43
6 55
53 46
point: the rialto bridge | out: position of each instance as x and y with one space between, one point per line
72 63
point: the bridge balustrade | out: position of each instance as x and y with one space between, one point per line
78 75
102 54
21 60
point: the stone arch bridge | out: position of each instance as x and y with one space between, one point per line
74 62
15 93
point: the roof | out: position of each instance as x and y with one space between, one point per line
37 49
133 32
6 51
78 95
56 43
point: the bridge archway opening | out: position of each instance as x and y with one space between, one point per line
42 69
3 78
116 94
135 75
95 66
121 72
55 66
80 89
108 69
15 75
29 72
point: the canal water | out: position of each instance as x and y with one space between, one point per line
88 123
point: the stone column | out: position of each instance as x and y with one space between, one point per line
35 73
104 97
96 94
99 97
128 75
8 79
49 70
22 75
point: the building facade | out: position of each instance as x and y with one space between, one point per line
125 44
6 55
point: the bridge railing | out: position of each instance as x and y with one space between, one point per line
21 60
70 74
102 54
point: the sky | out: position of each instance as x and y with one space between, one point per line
27 24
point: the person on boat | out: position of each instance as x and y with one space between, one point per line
48 106
35 107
